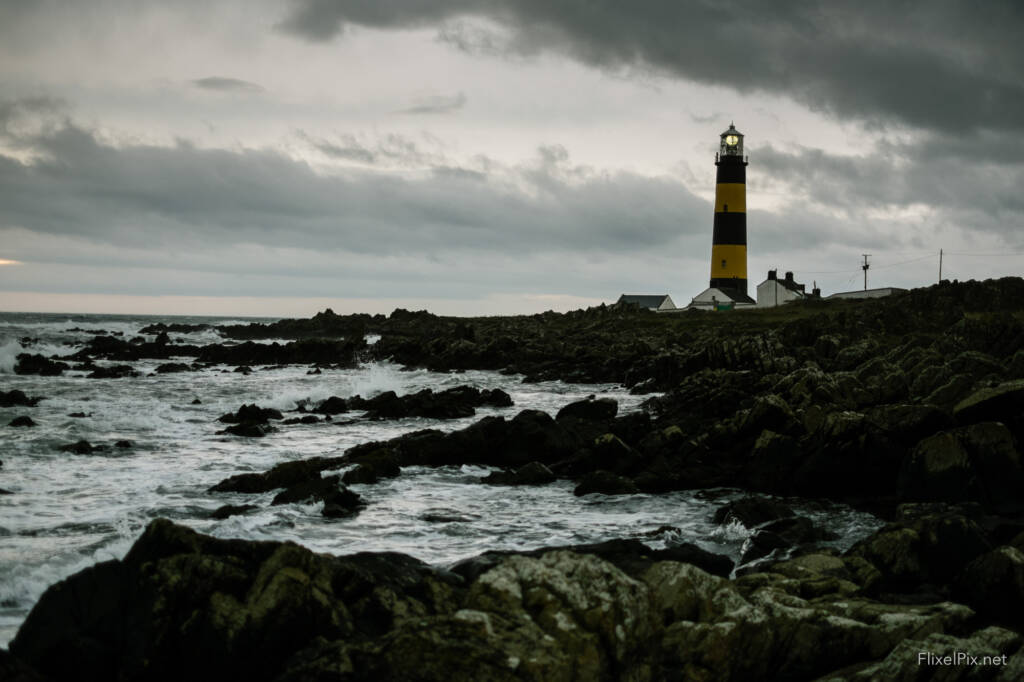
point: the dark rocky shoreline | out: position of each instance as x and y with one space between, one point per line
909 406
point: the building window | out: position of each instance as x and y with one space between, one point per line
723 264
725 208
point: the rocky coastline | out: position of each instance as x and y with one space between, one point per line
910 407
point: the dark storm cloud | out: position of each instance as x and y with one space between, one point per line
437 104
983 195
151 197
938 64
221 84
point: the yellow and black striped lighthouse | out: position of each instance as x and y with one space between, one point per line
729 244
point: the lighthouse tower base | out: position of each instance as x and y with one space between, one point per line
714 298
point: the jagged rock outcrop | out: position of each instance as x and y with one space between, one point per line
182 605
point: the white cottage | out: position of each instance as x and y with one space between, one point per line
774 291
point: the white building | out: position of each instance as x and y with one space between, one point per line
714 298
774 291
867 293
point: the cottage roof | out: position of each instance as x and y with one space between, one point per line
643 300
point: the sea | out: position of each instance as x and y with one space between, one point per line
62 512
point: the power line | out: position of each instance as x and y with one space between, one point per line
984 255
978 254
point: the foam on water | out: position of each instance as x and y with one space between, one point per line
9 350
69 511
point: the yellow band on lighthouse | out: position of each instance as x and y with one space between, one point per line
728 261
730 197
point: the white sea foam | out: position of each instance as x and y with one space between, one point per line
9 351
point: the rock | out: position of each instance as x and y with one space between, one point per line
281 476
949 656
606 483
313 489
173 367
242 369
333 405
374 465
308 419
993 585
601 409
908 424
532 435
570 631
251 414
14 670
124 444
229 510
611 453
784 533
342 503
781 635
971 463
196 401
82 447
22 421
248 430
952 392
80 415
186 606
752 511
616 610
453 403
770 412
1000 403
16 398
306 351
773 459
883 381
176 327
38 364
533 473
925 549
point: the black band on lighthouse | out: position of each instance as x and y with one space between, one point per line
731 171
730 228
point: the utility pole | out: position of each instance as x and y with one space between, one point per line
940 266
865 269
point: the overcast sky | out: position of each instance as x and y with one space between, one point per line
495 156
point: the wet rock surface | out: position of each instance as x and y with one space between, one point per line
182 605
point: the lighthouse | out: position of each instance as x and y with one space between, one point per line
729 240
728 289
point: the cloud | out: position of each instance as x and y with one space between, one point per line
392 150
951 66
172 196
978 192
437 104
221 84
